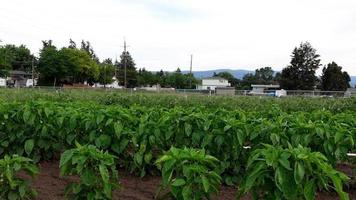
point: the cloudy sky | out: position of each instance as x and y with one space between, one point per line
235 34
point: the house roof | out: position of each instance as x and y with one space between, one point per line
265 86
214 78
17 72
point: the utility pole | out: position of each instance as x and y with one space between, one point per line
190 72
125 62
33 80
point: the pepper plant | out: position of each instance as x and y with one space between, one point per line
96 170
189 173
11 186
291 173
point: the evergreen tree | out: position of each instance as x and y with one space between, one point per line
131 73
334 79
300 75
72 44
87 47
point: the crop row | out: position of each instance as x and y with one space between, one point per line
115 97
139 135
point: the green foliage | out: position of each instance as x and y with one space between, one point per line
333 79
96 169
107 72
66 65
12 187
189 173
300 75
131 73
291 173
15 58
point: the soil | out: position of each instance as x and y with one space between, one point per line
50 186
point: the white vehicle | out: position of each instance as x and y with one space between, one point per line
31 82
2 82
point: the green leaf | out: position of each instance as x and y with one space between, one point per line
103 141
65 157
99 119
104 173
29 146
187 128
299 172
206 183
187 192
309 190
178 182
12 196
22 190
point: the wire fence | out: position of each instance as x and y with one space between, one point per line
217 92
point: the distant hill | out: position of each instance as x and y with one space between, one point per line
353 81
238 73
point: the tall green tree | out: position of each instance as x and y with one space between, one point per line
50 65
80 67
264 75
87 47
300 75
145 78
334 79
107 72
16 58
176 80
131 73
6 58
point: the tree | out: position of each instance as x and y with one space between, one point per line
300 75
6 58
72 44
87 47
334 79
107 72
177 80
145 78
15 58
50 65
247 81
68 65
79 65
264 75
131 73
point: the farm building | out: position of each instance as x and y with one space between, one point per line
212 83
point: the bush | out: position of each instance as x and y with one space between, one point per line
189 173
12 187
292 173
96 169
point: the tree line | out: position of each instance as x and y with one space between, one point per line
299 75
80 64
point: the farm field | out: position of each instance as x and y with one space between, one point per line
290 148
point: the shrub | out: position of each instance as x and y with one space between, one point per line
292 173
96 169
12 187
189 173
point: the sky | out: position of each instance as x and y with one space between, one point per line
162 34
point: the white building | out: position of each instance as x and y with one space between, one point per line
212 83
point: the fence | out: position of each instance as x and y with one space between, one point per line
225 92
